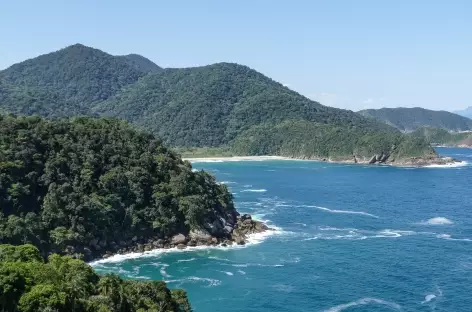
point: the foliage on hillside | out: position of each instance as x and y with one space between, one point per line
211 105
409 119
140 63
74 77
442 137
204 107
63 284
87 185
304 139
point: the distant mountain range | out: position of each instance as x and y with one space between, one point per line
466 112
220 105
410 119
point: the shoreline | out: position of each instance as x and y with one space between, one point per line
440 162
247 231
251 239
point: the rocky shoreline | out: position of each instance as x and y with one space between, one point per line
237 235
383 159
378 159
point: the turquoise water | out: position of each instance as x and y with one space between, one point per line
349 238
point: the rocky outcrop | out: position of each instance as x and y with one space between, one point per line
232 230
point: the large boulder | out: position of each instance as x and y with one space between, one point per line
178 239
228 229
200 235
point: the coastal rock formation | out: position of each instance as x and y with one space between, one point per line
244 226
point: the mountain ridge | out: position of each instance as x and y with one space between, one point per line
208 106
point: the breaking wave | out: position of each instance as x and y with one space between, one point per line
255 190
344 211
437 221
449 165
364 301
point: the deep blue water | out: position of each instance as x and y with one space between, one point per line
350 238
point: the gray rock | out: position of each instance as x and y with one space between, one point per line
228 229
93 242
181 246
199 235
179 239
103 243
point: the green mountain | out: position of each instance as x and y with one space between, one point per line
410 119
141 63
222 105
63 284
67 82
89 187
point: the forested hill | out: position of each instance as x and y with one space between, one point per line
86 187
209 106
410 119
68 81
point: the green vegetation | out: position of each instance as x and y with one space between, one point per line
70 79
302 139
87 186
212 108
210 105
409 119
64 284
443 137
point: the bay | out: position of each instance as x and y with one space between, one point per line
347 238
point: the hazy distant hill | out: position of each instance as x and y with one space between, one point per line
410 119
223 104
466 112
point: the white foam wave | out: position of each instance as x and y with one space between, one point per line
195 279
344 211
255 190
219 259
356 234
393 233
241 272
163 271
437 221
449 165
449 237
364 301
227 273
428 298
228 182
252 239
186 260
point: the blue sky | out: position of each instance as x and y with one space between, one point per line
348 54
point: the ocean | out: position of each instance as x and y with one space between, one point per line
347 238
